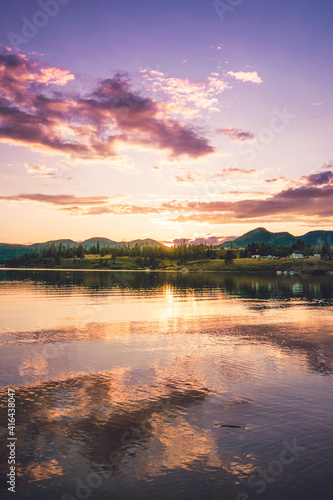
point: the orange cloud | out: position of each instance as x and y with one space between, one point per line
310 200
39 170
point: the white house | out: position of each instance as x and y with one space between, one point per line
297 255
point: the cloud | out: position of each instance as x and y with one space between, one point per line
310 201
184 97
230 171
237 135
327 165
89 126
83 205
18 74
197 176
272 180
120 209
246 76
58 199
317 104
319 179
188 177
39 170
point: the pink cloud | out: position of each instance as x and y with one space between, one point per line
206 239
89 126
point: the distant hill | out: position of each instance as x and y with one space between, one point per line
148 242
261 235
103 242
8 251
67 243
314 238
318 237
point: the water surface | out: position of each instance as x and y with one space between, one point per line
168 385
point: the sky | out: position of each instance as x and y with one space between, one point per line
164 119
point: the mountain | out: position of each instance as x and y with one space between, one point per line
148 242
314 238
103 242
8 251
66 243
261 235
318 237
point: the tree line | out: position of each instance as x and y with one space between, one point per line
151 256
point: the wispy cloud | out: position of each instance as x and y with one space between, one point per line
184 97
58 199
39 170
327 165
237 135
246 76
309 199
83 205
205 238
313 200
194 176
188 177
230 171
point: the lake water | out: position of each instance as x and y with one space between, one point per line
134 385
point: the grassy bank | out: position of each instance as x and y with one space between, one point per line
218 265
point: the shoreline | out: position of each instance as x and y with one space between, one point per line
278 266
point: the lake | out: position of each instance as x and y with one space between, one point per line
137 385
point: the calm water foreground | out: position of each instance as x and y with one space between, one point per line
167 386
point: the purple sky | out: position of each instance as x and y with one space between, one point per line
164 119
